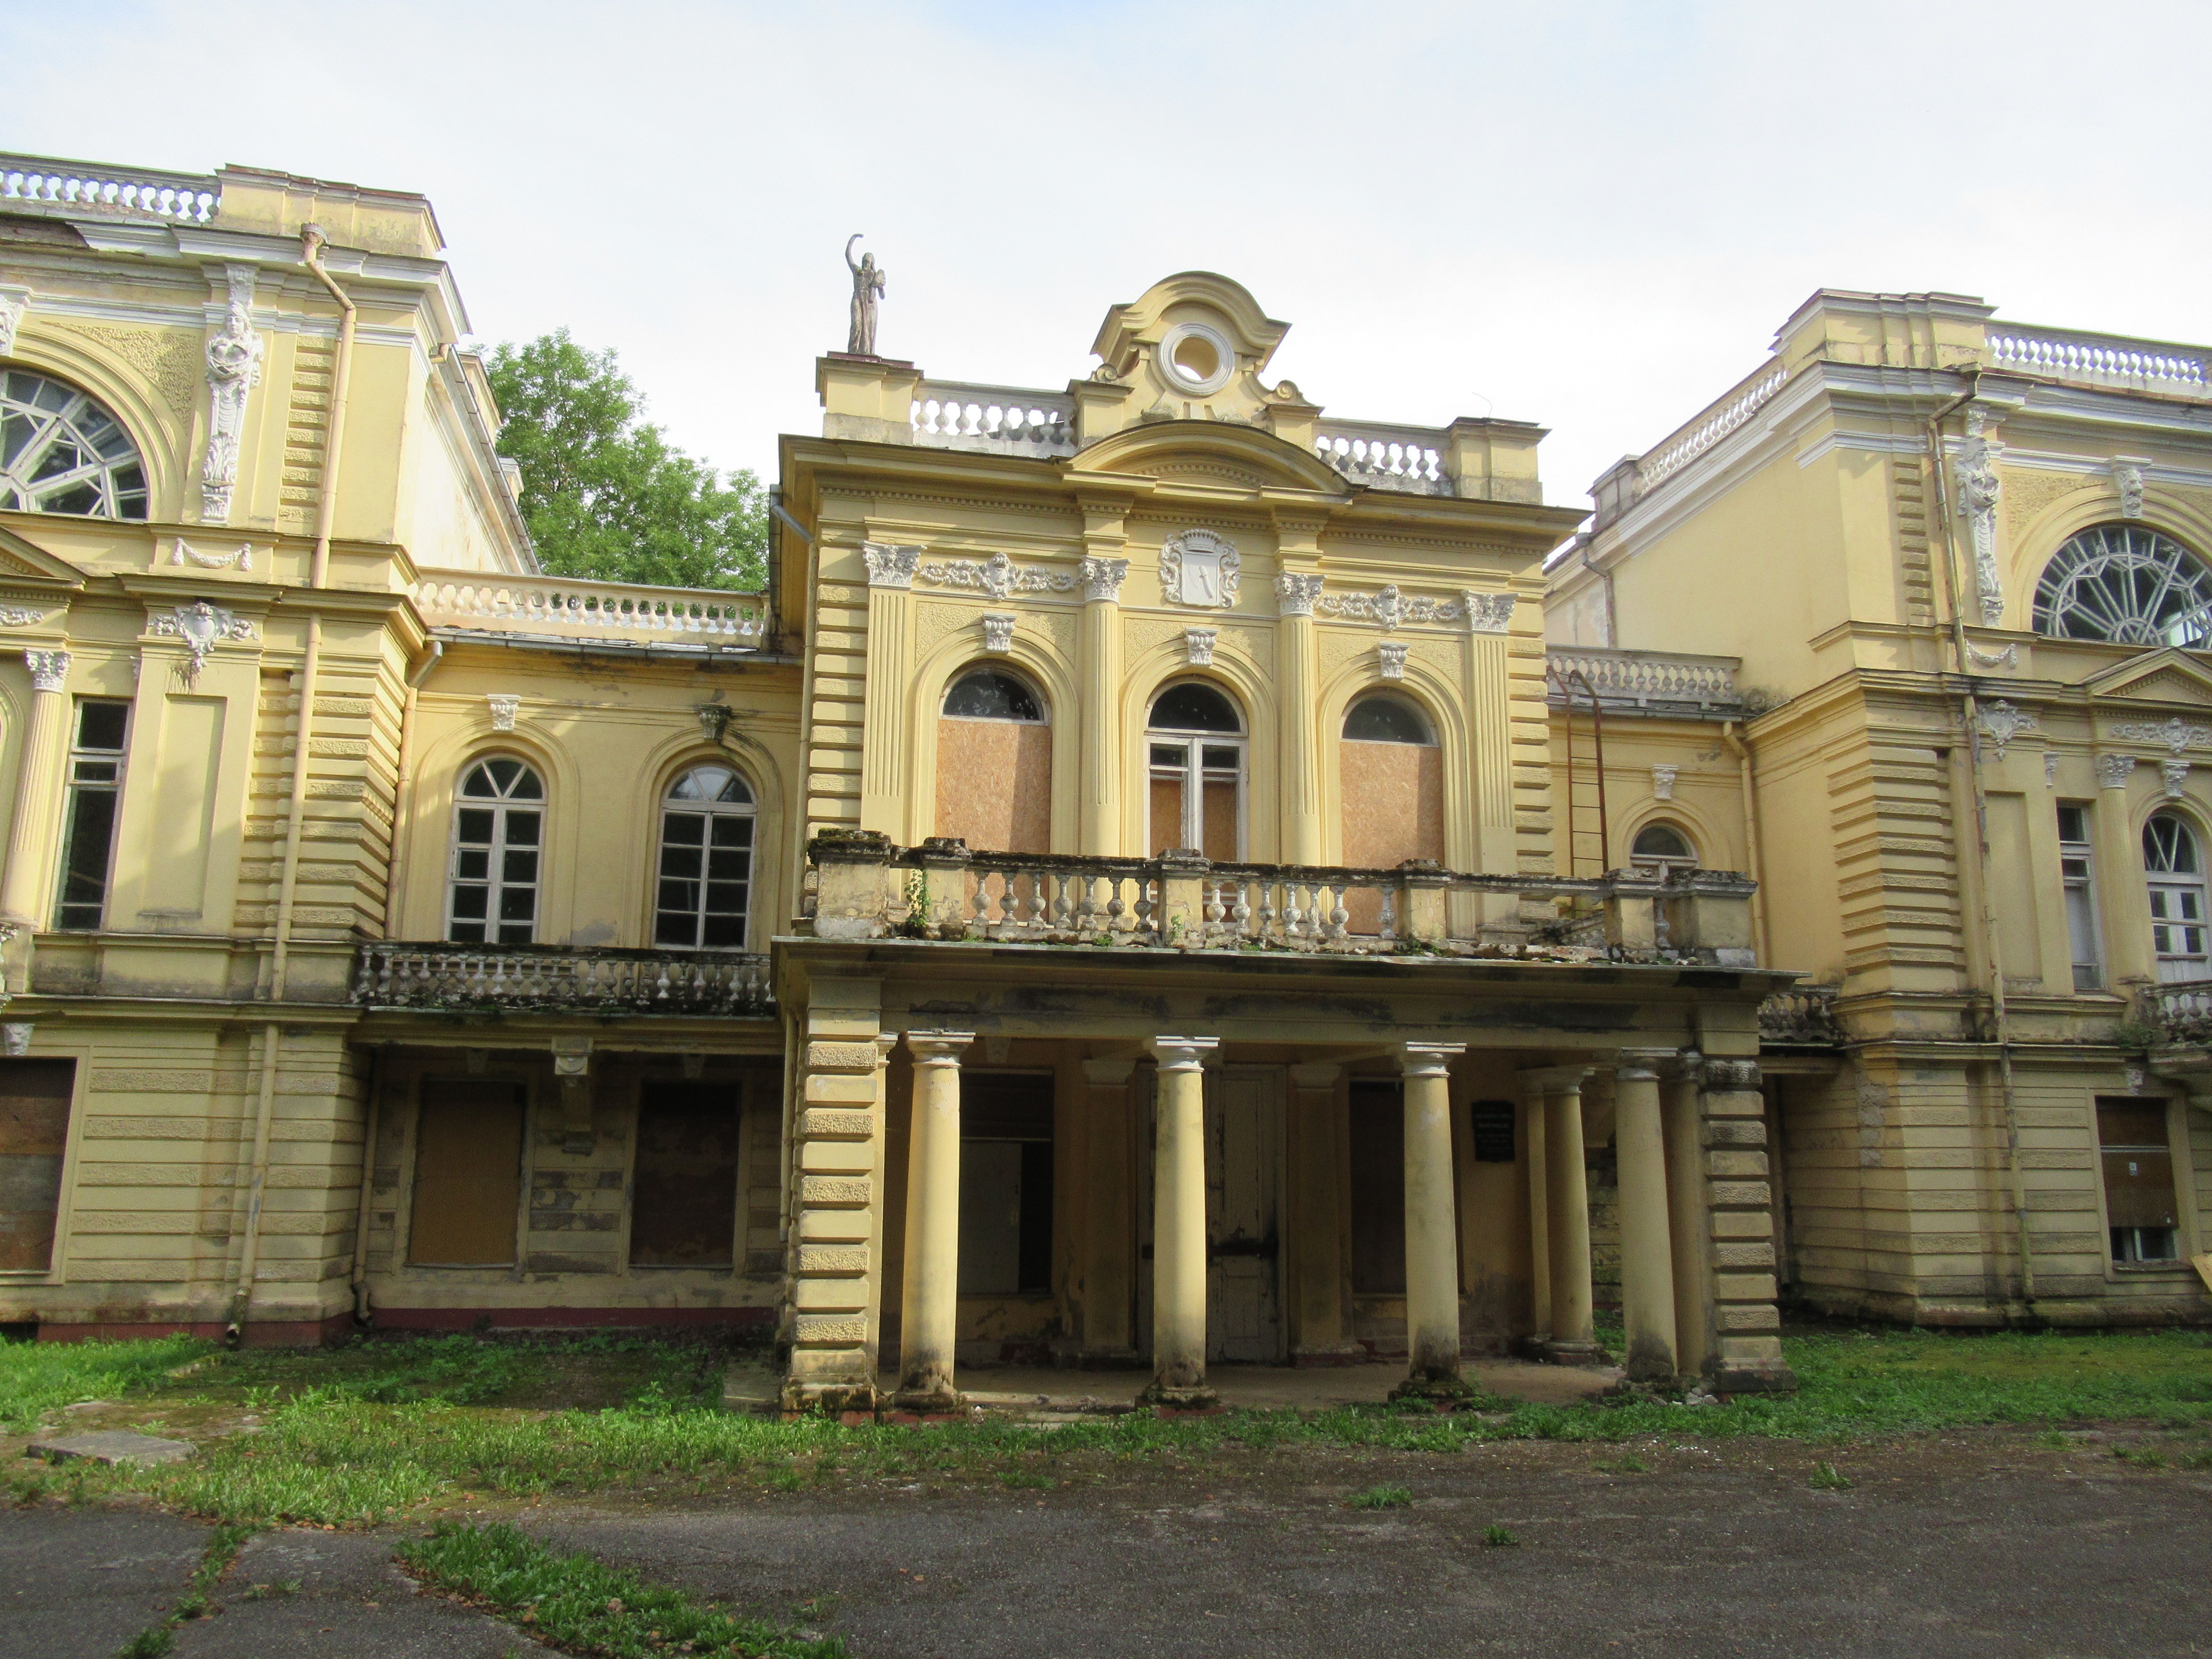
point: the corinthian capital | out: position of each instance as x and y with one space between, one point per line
1103 579
49 669
1295 593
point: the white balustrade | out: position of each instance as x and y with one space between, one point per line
580 608
1384 457
402 975
2181 1011
1646 677
1709 426
2102 359
36 181
1008 419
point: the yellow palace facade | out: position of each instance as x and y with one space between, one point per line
1132 892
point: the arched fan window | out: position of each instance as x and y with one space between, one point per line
2128 583
62 452
1661 847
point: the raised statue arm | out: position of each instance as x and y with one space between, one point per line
850 260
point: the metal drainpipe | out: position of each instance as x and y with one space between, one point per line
1741 750
359 1274
403 790
310 240
1971 707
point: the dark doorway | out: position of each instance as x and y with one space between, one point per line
684 1200
1378 1186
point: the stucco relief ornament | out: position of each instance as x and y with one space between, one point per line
49 669
2051 768
2174 775
239 558
1390 659
1662 782
889 566
1999 722
2128 479
15 1039
1488 613
14 301
1978 489
233 369
1389 609
2178 736
2113 770
503 711
998 632
1199 569
1198 646
21 616
1103 579
201 626
998 575
1295 593
2008 658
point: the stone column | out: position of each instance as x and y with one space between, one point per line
1647 1254
884 742
1489 693
1686 1216
1098 814
1747 1347
1108 1280
1315 1232
1539 1226
1574 1338
1179 1225
1432 1233
929 1299
24 899
1298 760
2122 910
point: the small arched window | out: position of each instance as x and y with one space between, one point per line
1661 847
1385 719
2128 583
706 862
498 832
62 452
2173 869
992 694
1195 745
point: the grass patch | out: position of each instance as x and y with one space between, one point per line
1827 1477
1382 1497
36 1377
198 1600
1498 1537
586 1606
1629 1464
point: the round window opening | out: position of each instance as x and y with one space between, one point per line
1197 358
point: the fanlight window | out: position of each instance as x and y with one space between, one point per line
2127 584
1195 742
1385 719
987 694
1662 846
498 831
62 452
2173 870
706 862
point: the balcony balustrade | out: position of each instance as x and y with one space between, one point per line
1804 1015
865 888
2178 1012
2104 360
39 183
563 608
552 979
1656 683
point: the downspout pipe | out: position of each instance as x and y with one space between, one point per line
403 791
1969 706
1756 871
312 242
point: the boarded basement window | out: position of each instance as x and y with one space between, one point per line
684 1209
34 1107
2138 1162
468 1173
1005 1182
1378 1186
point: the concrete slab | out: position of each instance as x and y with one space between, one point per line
84 1581
109 1446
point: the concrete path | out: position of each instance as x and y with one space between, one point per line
86 1581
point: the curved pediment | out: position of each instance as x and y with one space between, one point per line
1213 454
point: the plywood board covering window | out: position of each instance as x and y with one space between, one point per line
35 1107
2139 1206
994 763
1393 791
684 1210
468 1173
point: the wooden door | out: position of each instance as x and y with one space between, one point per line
1245 1109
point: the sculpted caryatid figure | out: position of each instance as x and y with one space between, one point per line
867 288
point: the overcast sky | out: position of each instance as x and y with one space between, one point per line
1591 216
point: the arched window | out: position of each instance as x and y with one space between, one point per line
1390 785
62 452
995 762
2173 867
1195 742
1662 848
2128 583
498 831
706 862
1385 719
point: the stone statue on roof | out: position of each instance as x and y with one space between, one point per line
867 288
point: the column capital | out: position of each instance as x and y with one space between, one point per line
1428 1058
49 669
937 1047
890 566
1296 591
1103 579
1644 1062
1316 1073
1108 1073
1555 1079
1182 1054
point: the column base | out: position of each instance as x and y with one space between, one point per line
828 1399
1197 1397
1443 1390
1571 1353
927 1403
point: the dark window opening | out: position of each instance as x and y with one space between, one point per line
987 694
95 791
1385 719
34 1109
1378 1186
1005 1182
683 1205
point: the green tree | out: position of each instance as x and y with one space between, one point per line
604 494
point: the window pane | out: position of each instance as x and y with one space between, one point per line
680 863
725 934
478 783
473 864
466 933
679 895
1384 719
503 773
989 695
101 724
732 831
521 828
84 878
475 827
683 829
515 932
517 904
519 866
470 902
1191 707
680 930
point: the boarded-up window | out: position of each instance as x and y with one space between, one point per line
683 1207
995 765
468 1173
1005 1182
34 1107
1378 1186
1390 778
2138 1168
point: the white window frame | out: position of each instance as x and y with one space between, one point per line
2177 906
706 812
1193 772
494 881
2077 877
1657 866
91 772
